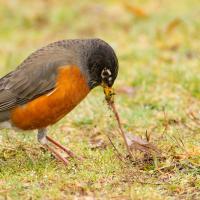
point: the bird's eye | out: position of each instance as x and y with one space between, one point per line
105 73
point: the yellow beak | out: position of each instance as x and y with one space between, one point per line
108 91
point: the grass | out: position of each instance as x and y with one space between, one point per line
157 43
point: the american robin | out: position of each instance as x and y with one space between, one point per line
51 82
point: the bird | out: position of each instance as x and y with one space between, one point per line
51 82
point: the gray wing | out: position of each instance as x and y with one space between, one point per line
34 77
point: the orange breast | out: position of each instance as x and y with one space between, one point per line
71 88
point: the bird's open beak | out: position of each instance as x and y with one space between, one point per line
109 92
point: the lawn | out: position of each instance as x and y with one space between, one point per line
158 94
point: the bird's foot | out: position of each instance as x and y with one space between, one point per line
65 149
56 154
45 140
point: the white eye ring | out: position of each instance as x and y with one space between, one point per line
109 72
105 70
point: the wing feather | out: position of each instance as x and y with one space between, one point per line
35 76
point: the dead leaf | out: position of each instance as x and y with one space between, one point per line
97 144
173 25
189 154
137 143
138 12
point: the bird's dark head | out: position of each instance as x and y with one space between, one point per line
102 64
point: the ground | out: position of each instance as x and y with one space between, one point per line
158 93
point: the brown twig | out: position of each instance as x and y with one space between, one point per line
113 108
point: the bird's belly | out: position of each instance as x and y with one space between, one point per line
45 110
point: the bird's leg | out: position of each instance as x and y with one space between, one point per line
65 149
42 138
